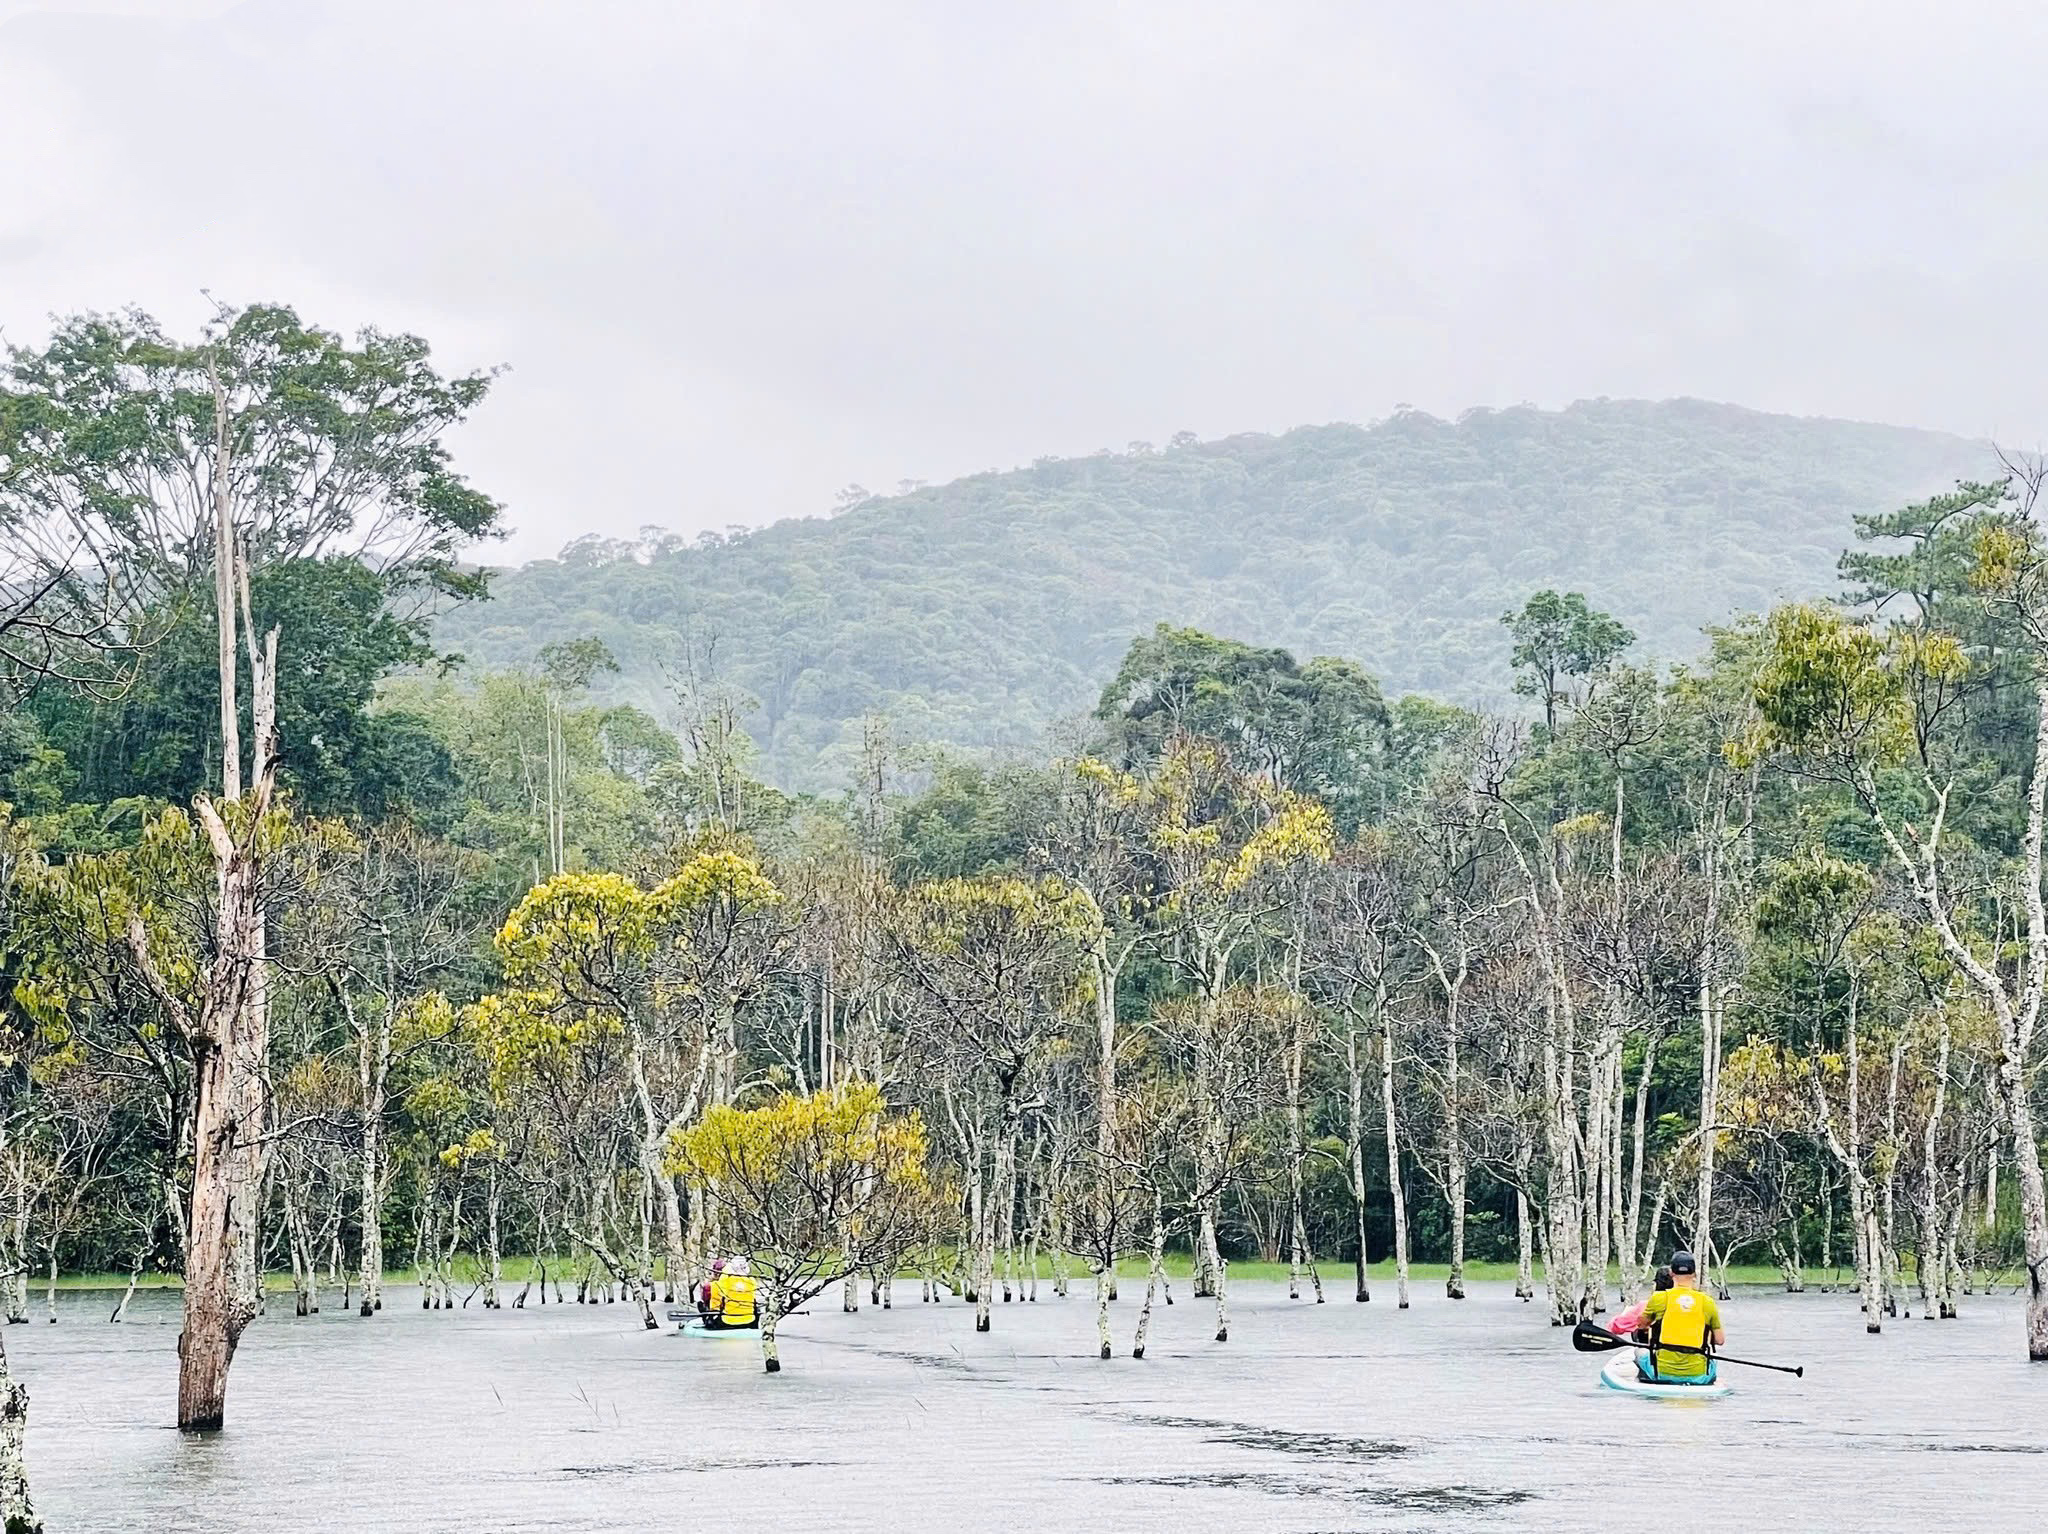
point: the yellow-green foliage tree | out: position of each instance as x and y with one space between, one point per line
815 1187
1228 844
998 966
594 957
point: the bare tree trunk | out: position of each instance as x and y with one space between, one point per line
17 1516
1634 1246
1057 1242
1031 1254
2033 1201
295 1244
17 1252
1208 1254
1869 1254
224 548
1394 1163
1354 1149
1006 1206
1594 1160
1827 1235
1454 1158
1106 975
1952 1249
134 1277
1789 1257
1155 1267
771 1317
372 1191
990 1221
1102 1336
1932 1282
214 1317
1564 1197
1862 1206
1298 1253
1525 1264
1710 1041
494 1265
1894 1284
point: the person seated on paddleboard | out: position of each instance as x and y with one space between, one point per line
1681 1317
1630 1321
732 1299
704 1289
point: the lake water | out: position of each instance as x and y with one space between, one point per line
1447 1416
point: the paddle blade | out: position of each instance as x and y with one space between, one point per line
1588 1337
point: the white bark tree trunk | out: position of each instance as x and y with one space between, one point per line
1354 1149
1102 1337
494 1263
375 1052
1525 1257
1636 1244
771 1317
1710 1041
128 1294
1298 1253
1387 1107
1155 1268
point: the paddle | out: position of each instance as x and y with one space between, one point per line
1588 1337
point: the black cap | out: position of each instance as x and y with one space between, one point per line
1682 1262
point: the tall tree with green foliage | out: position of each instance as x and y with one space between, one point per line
1313 728
263 442
1561 645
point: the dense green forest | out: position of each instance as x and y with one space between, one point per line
979 612
320 954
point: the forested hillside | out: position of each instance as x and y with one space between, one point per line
977 612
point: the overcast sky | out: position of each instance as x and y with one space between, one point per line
739 255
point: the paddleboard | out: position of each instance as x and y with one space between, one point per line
719 1334
1620 1374
687 1325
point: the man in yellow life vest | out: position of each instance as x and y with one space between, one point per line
1683 1317
731 1304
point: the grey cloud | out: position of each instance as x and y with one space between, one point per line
737 256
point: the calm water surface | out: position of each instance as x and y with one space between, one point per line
1340 1417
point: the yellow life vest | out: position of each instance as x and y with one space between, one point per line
1681 1318
732 1299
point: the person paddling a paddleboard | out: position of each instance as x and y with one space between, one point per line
1681 1317
731 1306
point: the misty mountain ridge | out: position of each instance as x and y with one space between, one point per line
979 612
